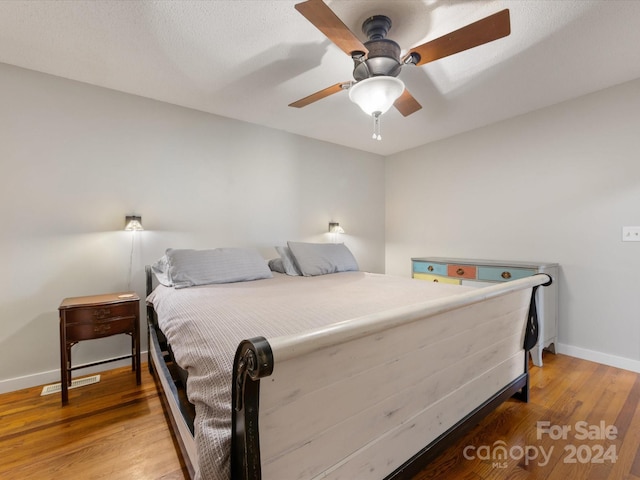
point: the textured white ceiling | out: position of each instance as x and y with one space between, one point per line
249 59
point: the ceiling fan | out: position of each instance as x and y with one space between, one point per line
377 62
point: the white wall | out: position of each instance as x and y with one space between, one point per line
556 185
75 159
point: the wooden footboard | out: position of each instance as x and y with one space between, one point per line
378 396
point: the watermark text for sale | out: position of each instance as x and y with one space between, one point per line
587 443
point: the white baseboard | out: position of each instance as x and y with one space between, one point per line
599 357
53 376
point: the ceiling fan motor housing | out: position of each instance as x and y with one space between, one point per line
376 27
384 54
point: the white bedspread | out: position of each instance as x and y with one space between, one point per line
205 325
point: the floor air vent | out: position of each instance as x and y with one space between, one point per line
78 382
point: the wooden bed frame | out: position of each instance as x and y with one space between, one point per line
376 397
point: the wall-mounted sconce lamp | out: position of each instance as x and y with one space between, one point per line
334 227
133 223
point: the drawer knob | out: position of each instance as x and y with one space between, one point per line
430 268
102 328
101 313
506 275
460 271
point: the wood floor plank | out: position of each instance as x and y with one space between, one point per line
117 430
629 442
566 390
593 406
114 429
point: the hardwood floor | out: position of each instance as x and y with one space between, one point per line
112 430
565 392
117 430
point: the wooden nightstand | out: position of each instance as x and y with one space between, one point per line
97 316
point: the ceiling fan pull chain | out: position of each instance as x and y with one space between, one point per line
376 126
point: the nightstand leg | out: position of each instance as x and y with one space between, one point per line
136 343
64 372
65 377
133 352
69 366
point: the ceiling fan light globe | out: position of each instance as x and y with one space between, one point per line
376 94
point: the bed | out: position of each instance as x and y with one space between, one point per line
327 371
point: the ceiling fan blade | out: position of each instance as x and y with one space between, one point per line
323 18
406 104
478 33
314 97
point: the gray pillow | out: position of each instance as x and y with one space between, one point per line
161 271
187 268
275 265
288 262
321 258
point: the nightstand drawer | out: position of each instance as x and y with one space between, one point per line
99 328
461 271
100 313
503 274
436 278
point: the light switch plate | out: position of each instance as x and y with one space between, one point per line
631 234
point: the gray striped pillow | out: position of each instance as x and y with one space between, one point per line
288 262
322 258
187 268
